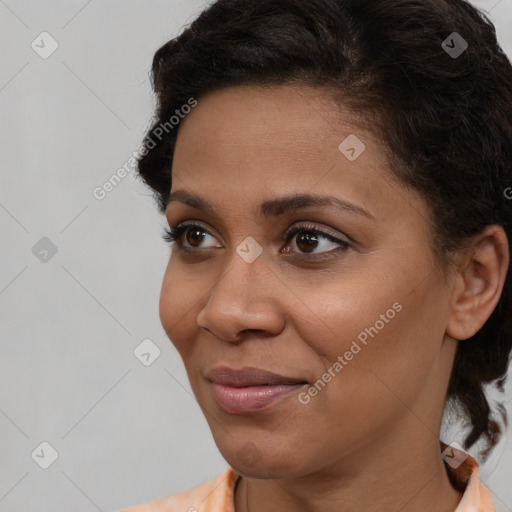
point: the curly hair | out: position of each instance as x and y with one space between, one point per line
444 120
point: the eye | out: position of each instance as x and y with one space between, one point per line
195 233
310 237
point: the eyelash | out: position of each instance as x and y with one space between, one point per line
174 234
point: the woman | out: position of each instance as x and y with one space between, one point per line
335 175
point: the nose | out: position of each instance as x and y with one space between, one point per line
244 299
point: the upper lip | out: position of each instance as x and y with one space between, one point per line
248 376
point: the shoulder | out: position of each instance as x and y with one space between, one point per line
215 495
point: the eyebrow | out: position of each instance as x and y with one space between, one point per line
274 207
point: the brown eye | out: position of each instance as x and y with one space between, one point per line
307 241
192 233
310 237
194 236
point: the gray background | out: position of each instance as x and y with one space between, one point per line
125 433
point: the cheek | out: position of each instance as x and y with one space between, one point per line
348 309
178 295
370 328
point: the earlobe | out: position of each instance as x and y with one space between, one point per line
478 282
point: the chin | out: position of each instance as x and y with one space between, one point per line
271 465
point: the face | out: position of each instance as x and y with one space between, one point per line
341 297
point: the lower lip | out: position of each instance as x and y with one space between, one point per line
250 399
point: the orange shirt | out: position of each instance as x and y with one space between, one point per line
216 495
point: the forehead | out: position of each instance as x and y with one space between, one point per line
295 119
252 143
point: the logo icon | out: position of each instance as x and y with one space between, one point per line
249 249
454 455
454 45
147 352
249 454
44 250
44 45
44 455
352 147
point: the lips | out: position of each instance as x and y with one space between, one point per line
249 376
249 390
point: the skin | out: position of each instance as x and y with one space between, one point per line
370 439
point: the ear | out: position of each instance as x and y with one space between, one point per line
478 282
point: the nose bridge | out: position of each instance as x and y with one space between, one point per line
241 298
244 271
